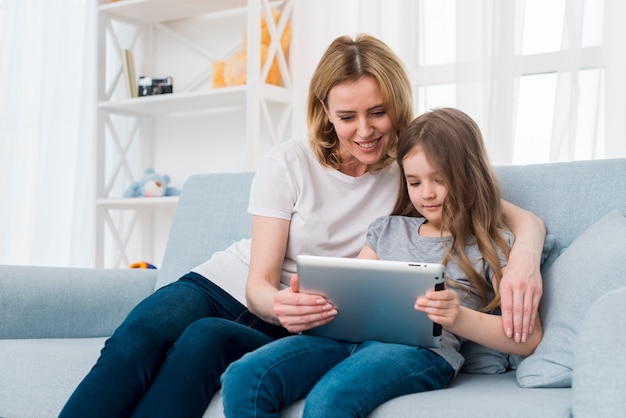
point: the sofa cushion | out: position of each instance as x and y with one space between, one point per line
468 396
210 215
597 377
40 374
589 268
68 302
550 252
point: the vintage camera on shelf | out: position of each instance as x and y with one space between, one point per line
149 86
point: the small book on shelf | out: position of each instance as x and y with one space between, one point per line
130 78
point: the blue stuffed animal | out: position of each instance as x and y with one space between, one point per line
151 184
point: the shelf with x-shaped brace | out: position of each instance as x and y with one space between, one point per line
125 130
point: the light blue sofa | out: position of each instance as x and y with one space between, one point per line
53 321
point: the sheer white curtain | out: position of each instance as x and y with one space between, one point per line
544 80
46 128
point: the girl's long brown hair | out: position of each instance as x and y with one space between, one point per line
453 145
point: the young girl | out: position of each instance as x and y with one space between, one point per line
448 211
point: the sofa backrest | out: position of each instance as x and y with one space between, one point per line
569 197
211 214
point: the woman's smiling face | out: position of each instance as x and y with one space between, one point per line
364 129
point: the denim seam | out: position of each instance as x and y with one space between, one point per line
260 381
410 376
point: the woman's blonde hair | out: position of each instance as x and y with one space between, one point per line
348 59
453 146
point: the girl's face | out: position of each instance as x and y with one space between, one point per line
426 187
364 129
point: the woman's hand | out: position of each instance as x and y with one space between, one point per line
298 312
442 307
521 285
521 288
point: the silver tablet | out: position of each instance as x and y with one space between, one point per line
374 298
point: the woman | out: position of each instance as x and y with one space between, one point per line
315 197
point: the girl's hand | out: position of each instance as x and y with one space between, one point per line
442 307
298 312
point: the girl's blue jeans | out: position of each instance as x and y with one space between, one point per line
166 358
338 379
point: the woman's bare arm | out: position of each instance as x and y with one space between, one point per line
294 311
521 286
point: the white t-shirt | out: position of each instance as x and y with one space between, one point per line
329 212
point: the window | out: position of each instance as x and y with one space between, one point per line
531 73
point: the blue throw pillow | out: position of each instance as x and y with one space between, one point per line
590 267
549 253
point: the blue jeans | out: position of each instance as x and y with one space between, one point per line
166 358
338 379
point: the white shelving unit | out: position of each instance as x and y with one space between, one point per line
178 38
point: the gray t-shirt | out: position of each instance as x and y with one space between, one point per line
397 238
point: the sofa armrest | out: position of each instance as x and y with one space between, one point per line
59 302
599 375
